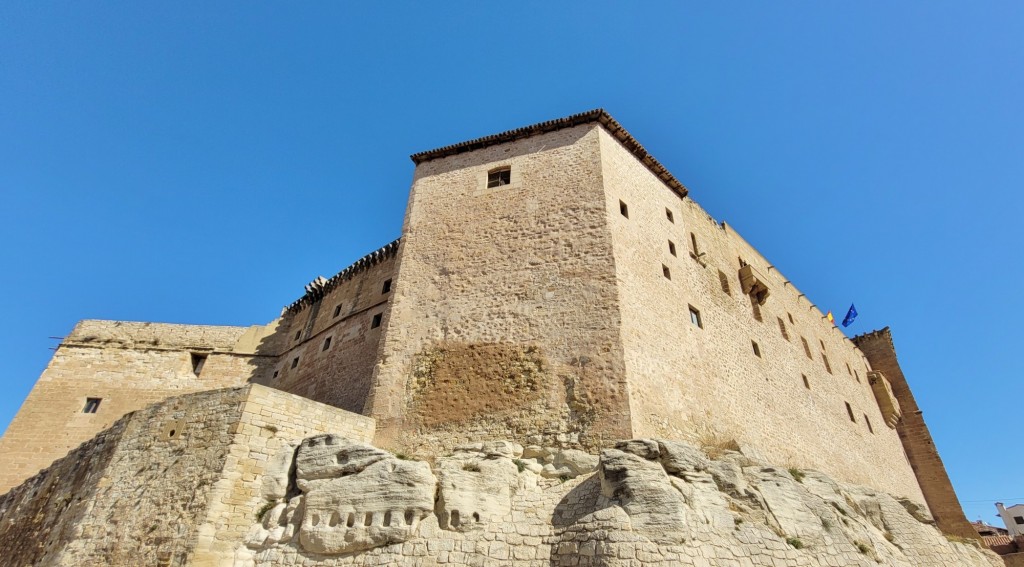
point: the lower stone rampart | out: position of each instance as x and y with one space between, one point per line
252 477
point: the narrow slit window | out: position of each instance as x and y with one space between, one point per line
848 369
198 360
790 315
782 328
849 411
668 215
295 362
856 375
298 334
671 248
387 287
807 384
822 344
276 372
868 422
498 177
91 405
807 348
757 349
694 250
724 281
623 209
327 344
824 359
695 317
755 308
665 272
376 320
337 310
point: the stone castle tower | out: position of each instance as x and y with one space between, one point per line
554 285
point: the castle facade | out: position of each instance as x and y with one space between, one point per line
554 285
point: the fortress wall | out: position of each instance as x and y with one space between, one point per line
485 273
706 384
924 456
127 366
175 483
340 375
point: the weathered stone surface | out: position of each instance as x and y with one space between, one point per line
358 497
476 485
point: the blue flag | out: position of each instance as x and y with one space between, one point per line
850 316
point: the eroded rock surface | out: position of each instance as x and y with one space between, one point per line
477 484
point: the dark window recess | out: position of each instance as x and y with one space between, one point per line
624 209
693 245
790 315
665 272
822 344
807 348
756 308
337 311
757 349
868 421
275 374
376 320
1018 519
671 248
327 344
849 411
848 369
724 280
855 375
824 359
668 215
387 287
295 362
782 328
695 317
198 360
806 383
298 334
91 405
742 262
499 177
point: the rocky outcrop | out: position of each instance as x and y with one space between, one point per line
647 502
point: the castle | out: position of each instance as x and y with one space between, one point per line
554 285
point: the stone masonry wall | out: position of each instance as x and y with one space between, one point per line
166 485
935 484
517 280
706 383
328 348
127 366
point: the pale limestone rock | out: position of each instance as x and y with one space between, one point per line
577 462
276 476
359 497
476 488
643 490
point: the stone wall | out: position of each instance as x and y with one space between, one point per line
515 283
126 366
327 343
165 485
924 456
708 382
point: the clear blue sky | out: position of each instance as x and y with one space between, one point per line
200 162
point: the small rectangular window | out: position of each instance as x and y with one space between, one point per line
665 272
387 287
868 421
198 360
724 281
295 362
376 320
498 177
327 344
825 360
806 383
849 410
298 334
695 317
1018 519
807 348
668 215
624 209
671 248
91 405
337 311
275 374
757 349
782 328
